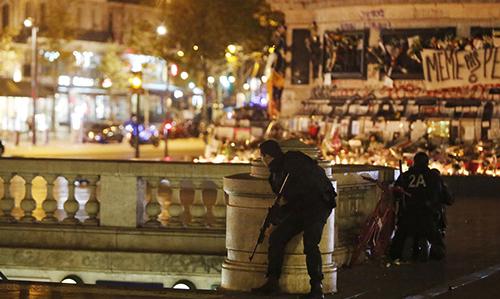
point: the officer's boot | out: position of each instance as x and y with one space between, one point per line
271 286
315 293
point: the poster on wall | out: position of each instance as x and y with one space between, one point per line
445 69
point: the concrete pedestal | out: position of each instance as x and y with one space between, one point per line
249 198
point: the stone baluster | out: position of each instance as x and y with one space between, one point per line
71 206
7 203
219 208
49 205
28 204
92 206
153 207
175 209
198 208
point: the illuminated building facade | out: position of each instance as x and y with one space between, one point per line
363 67
74 63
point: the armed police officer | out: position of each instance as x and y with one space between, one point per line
309 199
419 212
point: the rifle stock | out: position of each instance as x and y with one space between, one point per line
267 220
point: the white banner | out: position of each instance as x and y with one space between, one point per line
445 69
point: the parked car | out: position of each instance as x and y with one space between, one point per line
105 132
147 134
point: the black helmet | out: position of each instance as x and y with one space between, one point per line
271 147
421 159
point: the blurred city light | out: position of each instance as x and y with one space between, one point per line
178 94
246 86
107 83
135 81
231 79
264 79
195 47
231 49
211 79
191 85
28 23
184 75
174 70
161 30
180 53
17 76
224 81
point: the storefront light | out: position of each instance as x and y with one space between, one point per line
107 83
224 81
51 55
82 81
64 81
178 94
254 83
17 76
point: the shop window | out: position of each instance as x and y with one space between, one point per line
344 53
399 54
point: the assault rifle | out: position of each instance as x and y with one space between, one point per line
269 216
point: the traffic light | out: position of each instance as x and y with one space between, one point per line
136 82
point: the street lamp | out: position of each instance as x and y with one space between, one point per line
136 88
29 23
161 30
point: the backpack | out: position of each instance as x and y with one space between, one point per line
312 175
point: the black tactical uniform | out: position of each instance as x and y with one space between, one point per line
418 214
309 200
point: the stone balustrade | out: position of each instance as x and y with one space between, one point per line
94 193
161 222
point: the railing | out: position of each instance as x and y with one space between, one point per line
137 206
114 193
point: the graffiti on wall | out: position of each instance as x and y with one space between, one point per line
373 18
411 89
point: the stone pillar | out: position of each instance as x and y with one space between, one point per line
122 196
249 198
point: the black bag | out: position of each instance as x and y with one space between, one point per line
312 175
324 184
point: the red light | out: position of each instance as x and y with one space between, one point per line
174 70
168 126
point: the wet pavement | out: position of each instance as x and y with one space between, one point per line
470 270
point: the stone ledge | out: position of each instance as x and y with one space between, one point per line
202 241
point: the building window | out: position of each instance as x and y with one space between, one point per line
399 55
43 14
5 16
27 10
344 53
